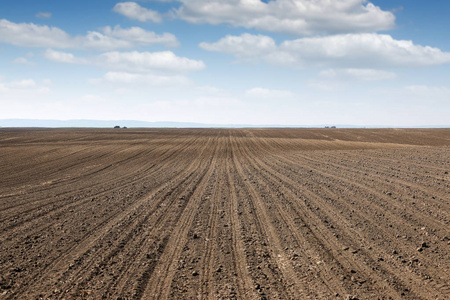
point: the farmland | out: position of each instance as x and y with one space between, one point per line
225 213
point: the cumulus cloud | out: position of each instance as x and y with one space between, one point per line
43 15
23 84
134 11
427 92
135 61
356 74
19 89
216 102
296 17
246 45
339 79
132 62
97 41
264 93
32 35
46 81
22 61
124 78
140 36
62 57
364 50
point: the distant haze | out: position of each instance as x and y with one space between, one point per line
143 124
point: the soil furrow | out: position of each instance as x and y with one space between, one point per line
245 283
158 286
90 237
418 279
224 213
269 230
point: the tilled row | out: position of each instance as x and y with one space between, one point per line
225 214
388 228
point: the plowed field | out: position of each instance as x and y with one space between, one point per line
224 213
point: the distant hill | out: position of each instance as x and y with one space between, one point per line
144 124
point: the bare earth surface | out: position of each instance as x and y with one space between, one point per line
224 213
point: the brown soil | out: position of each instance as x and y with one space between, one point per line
225 213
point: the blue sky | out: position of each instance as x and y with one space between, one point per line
237 61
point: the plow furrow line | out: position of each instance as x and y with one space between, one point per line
158 286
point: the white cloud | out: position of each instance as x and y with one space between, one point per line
356 74
132 62
127 79
46 81
364 49
89 99
342 79
97 41
23 84
32 35
43 15
209 90
326 85
62 57
135 61
245 45
263 93
216 102
134 11
140 36
21 89
342 51
297 17
428 92
22 61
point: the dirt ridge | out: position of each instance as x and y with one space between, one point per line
225 214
